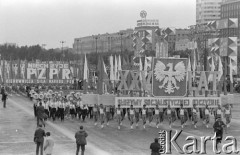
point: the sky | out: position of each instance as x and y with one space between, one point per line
32 22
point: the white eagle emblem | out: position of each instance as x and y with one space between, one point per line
169 77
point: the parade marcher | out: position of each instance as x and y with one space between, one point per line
227 115
155 147
81 141
78 109
132 113
112 111
218 112
35 104
182 115
72 110
144 115
137 115
48 144
4 99
39 139
102 113
169 115
54 109
157 115
119 115
46 108
40 114
84 112
194 115
150 115
67 109
218 130
61 108
207 115
95 114
108 114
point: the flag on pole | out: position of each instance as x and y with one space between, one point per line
231 70
210 77
145 67
119 64
140 68
188 68
112 78
220 68
116 69
85 70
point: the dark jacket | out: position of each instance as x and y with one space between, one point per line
39 135
81 137
4 97
40 111
155 147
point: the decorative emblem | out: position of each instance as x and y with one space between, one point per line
143 14
169 77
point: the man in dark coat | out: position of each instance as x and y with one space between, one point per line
4 99
81 141
155 147
40 114
39 139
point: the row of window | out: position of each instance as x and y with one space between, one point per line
233 6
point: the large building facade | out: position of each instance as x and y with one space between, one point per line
207 10
113 42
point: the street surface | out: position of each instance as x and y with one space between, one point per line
17 127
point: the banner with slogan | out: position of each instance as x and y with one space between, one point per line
38 72
107 99
92 99
151 102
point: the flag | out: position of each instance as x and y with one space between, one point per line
100 76
105 77
140 68
210 77
145 67
85 70
112 78
189 68
194 63
231 71
119 64
220 68
116 69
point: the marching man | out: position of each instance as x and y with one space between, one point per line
194 115
169 115
102 113
131 112
95 114
108 114
144 112
228 116
207 116
119 115
157 115
182 115
137 112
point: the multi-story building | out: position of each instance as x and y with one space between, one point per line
207 10
182 39
114 42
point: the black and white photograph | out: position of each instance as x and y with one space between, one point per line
119 77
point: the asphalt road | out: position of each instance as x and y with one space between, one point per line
17 127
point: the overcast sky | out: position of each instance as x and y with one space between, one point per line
31 22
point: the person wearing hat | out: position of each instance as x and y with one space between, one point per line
81 141
155 147
218 130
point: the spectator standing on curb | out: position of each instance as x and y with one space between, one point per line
81 141
4 99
